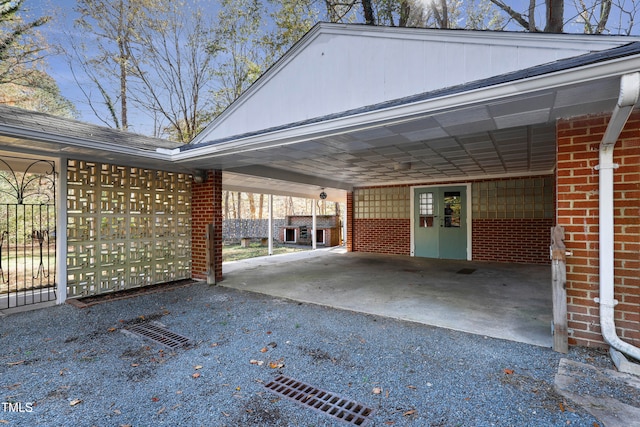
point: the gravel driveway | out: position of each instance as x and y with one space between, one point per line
65 366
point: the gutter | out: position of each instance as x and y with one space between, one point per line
629 95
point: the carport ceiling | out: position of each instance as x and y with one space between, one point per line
502 137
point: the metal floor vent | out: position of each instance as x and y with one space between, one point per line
320 400
158 333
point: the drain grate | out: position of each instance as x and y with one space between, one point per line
157 332
466 271
320 400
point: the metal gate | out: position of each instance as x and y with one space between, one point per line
27 232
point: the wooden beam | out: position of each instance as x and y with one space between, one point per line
559 289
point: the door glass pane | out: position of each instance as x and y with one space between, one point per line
452 208
426 209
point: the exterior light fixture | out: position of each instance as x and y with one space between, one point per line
199 176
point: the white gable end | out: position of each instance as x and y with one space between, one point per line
336 68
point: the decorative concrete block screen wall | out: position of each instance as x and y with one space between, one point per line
511 219
578 213
127 227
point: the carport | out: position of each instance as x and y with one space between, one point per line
504 127
399 123
506 301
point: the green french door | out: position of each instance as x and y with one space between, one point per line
440 226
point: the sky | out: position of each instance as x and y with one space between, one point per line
58 67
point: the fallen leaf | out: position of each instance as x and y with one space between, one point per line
376 390
268 332
196 375
238 388
19 362
197 367
508 371
226 414
215 344
411 412
4 422
389 423
135 365
412 387
561 407
161 410
126 425
256 362
276 364
155 399
117 411
264 350
111 330
75 402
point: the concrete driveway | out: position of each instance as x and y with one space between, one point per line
508 301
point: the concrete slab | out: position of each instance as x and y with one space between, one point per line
610 396
508 301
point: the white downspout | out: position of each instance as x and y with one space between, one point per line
629 94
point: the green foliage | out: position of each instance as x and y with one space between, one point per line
14 31
22 81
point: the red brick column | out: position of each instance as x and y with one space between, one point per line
349 219
577 211
206 208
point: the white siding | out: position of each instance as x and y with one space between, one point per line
337 68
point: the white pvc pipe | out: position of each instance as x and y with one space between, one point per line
629 93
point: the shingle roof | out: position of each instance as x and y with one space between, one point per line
66 128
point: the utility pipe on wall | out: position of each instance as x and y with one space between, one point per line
629 95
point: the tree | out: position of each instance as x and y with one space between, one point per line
23 81
554 14
19 50
236 49
291 20
37 91
107 60
172 69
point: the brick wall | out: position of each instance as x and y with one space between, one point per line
206 208
384 236
577 212
511 240
349 219
503 230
